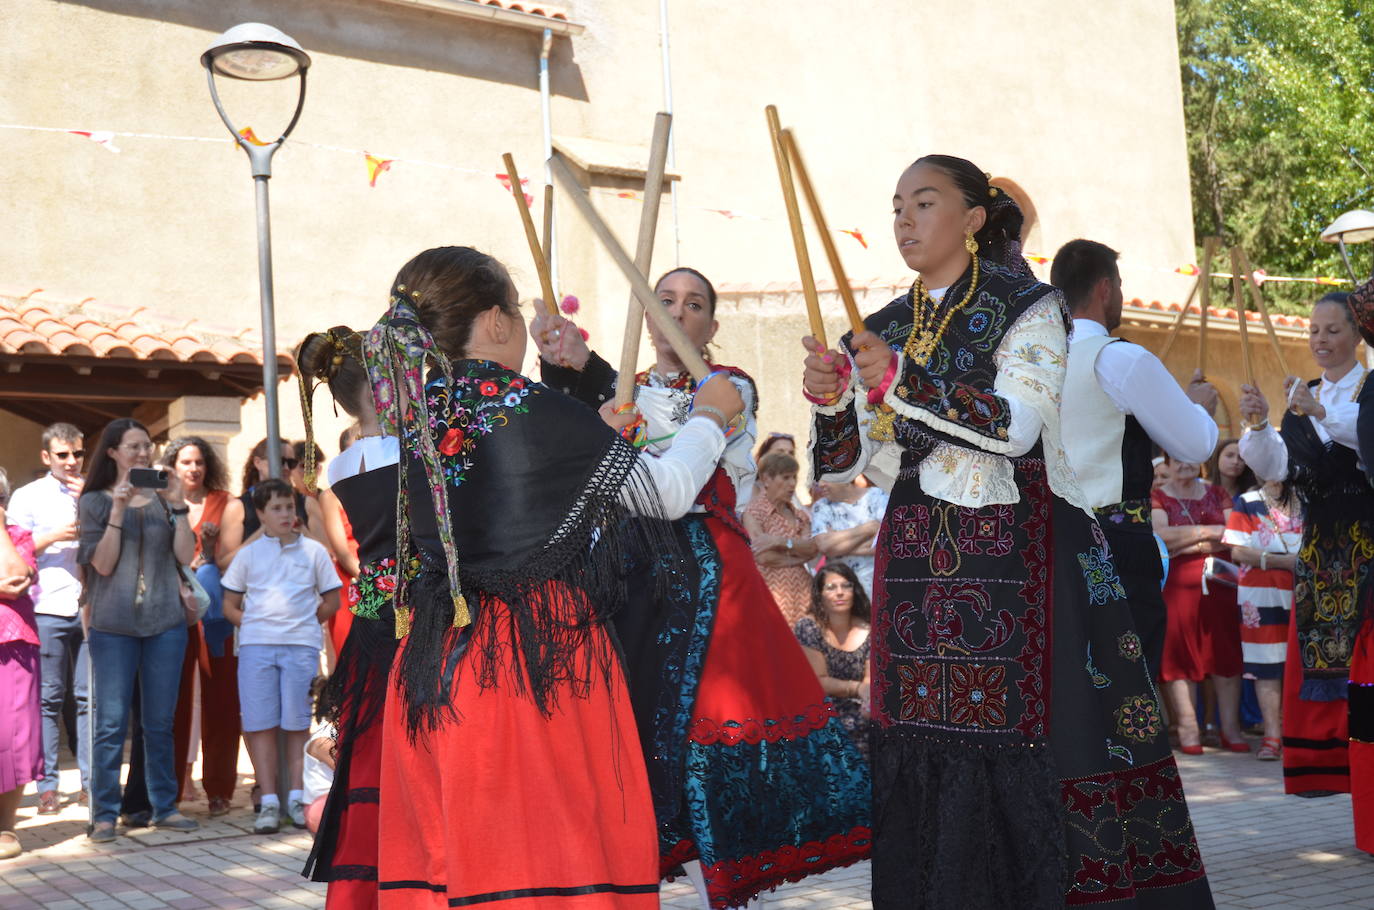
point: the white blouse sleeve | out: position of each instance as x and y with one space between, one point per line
1265 452
681 471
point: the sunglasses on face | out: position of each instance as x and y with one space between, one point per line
290 463
69 456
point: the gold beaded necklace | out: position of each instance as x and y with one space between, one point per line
925 334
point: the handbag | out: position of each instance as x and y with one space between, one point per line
194 600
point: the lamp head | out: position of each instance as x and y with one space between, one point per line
256 52
1355 226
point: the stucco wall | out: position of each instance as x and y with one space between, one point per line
1076 100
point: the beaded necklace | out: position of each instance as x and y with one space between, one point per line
1364 374
925 333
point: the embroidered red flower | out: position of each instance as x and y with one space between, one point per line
489 388
978 695
518 382
452 443
351 595
387 584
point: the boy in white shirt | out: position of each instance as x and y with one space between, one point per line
278 590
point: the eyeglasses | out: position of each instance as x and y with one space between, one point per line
781 436
838 586
69 456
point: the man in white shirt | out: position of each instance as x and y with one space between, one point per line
47 509
1118 399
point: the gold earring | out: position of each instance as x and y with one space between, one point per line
970 243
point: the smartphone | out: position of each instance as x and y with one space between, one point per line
148 478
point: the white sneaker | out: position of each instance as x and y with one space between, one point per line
297 813
269 819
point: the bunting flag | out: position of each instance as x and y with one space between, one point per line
857 235
375 167
1038 260
103 138
250 136
524 182
1189 270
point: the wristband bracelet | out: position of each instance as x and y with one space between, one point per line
1264 561
113 525
716 412
823 402
184 510
876 395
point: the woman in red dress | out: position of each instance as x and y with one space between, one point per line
511 767
1203 635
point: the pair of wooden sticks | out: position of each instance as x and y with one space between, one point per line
790 165
1241 274
643 300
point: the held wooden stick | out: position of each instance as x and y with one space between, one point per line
1209 252
856 322
1238 304
1258 297
789 198
541 265
644 255
1178 321
665 324
547 245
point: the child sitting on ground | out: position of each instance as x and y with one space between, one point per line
278 590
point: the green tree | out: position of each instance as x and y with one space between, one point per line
1278 98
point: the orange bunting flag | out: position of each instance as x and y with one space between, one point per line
1038 260
103 138
375 167
1333 282
857 235
1188 270
628 194
524 182
250 136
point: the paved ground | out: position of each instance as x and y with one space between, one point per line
1262 849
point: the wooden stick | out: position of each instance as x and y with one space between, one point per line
789 198
541 265
1258 297
1209 252
789 144
644 255
1238 304
666 325
547 245
1178 320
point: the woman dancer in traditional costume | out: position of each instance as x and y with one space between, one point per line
511 769
1328 699
364 479
752 772
1019 759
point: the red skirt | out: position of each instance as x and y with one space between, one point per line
1316 751
507 806
354 863
1203 635
1362 730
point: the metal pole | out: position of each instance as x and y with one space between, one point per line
269 324
672 136
545 47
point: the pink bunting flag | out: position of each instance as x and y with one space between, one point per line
857 235
103 138
524 182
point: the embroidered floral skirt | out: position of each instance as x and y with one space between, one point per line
766 786
1010 702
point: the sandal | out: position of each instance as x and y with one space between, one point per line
1271 749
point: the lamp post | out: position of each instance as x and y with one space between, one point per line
1355 226
260 53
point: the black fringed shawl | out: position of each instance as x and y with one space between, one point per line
541 494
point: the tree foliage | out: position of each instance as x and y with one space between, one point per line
1279 102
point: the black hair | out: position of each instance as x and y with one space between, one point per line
101 470
999 239
264 492
1079 266
1342 300
335 357
216 477
710 288
862 608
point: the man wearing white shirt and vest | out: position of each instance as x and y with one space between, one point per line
1118 398
47 508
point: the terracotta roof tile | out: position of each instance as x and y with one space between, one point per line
40 326
548 11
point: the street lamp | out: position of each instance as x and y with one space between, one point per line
260 53
1355 226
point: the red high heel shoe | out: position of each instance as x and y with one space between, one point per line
1241 746
1191 750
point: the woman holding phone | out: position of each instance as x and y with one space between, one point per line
132 539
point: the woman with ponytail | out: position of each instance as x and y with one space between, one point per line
363 480
1019 757
511 768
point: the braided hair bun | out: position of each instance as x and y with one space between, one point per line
335 357
999 239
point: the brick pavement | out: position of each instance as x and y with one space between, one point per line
1262 849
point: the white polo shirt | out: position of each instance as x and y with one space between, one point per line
44 506
281 588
